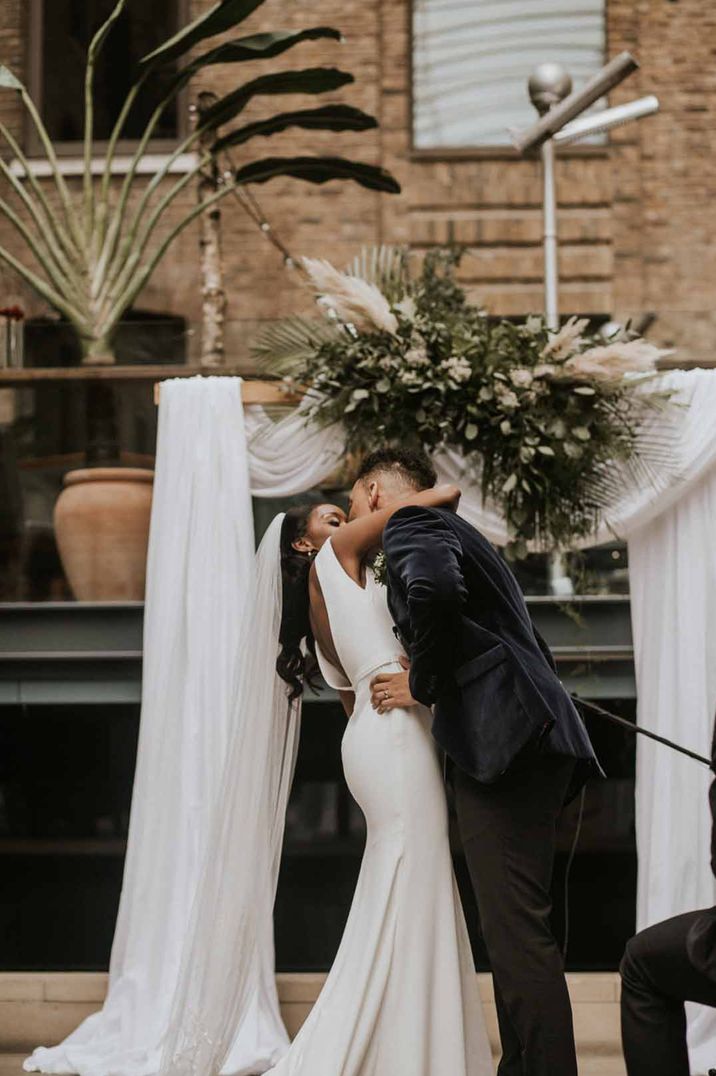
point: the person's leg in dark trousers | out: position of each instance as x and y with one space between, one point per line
508 834
657 978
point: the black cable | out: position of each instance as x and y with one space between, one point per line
631 727
568 869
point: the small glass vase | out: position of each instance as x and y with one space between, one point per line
12 343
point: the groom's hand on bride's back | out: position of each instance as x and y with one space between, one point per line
391 691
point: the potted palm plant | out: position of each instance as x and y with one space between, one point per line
89 255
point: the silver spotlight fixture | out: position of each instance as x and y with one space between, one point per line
562 122
550 92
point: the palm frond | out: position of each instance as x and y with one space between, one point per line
654 459
386 267
284 347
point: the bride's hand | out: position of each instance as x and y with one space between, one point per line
391 691
452 494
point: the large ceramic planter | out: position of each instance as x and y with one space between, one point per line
102 532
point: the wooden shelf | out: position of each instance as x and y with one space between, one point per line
30 375
255 391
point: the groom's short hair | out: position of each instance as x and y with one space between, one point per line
409 464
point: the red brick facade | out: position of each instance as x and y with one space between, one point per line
636 220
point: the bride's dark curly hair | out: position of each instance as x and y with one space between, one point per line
294 665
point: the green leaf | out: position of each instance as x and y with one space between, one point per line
318 170
217 20
545 450
8 81
360 394
383 385
328 118
471 431
585 390
510 483
309 80
255 47
581 433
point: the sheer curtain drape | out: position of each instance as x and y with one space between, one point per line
672 564
201 562
225 1011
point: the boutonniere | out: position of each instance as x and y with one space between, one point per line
380 569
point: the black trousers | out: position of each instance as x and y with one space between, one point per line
508 834
657 978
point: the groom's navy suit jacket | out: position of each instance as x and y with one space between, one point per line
474 653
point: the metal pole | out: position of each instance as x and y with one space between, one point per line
560 582
549 217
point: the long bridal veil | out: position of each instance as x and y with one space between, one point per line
225 1006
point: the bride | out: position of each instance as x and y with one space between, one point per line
402 996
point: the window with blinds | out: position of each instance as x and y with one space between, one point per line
472 60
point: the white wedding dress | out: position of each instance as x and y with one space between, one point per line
401 998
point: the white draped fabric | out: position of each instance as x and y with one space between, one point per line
201 558
289 456
225 1010
673 585
199 570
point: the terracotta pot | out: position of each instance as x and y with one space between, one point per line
102 532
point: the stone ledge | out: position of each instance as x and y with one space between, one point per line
91 987
43 1007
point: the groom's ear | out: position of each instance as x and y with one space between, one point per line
373 495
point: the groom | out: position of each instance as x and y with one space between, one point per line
519 748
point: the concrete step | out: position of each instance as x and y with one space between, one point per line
11 1064
41 1008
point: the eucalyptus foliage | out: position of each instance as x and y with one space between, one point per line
547 423
91 254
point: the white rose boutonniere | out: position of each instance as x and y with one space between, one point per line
380 569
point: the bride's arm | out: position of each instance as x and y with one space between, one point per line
353 542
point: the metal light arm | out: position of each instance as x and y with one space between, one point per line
606 120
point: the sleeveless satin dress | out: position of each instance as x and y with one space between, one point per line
401 998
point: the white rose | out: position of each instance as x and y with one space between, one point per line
417 356
521 377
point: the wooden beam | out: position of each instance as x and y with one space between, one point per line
33 375
265 393
268 393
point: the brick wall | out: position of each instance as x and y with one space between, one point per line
635 220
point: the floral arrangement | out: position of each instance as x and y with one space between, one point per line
547 422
